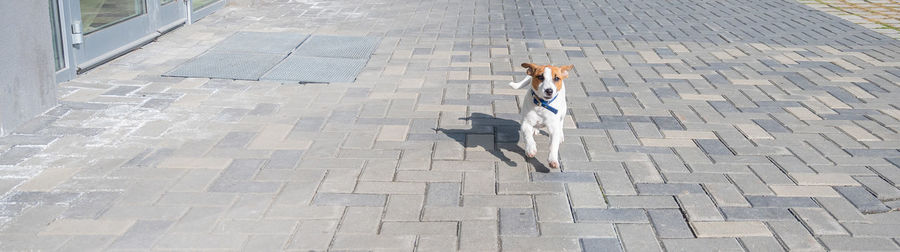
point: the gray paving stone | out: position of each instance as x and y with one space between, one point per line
843 243
610 215
769 201
761 243
346 199
794 236
670 223
142 235
668 189
518 222
638 237
862 199
442 194
819 221
601 244
642 202
762 214
565 177
702 244
17 154
881 188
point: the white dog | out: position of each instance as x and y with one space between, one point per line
545 105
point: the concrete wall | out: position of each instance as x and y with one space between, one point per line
27 74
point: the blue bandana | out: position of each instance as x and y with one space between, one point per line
541 102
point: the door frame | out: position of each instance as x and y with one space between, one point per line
68 70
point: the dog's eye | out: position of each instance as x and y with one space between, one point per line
555 78
540 77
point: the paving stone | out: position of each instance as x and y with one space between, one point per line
518 222
862 199
761 243
382 242
341 199
872 230
702 244
478 236
668 189
201 241
760 214
819 221
566 177
726 195
420 228
601 244
314 235
443 194
794 236
881 188
642 202
730 229
843 243
638 237
553 208
768 201
699 207
611 215
670 223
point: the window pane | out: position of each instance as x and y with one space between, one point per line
98 14
198 4
163 2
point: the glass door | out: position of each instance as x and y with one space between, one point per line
202 8
104 29
170 14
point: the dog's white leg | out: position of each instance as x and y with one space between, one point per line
556 137
530 146
518 85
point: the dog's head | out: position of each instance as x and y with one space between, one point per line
547 81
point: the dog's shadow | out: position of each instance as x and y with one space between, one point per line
504 131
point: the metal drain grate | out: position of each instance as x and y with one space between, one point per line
238 66
316 69
338 47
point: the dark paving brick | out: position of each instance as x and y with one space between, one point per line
862 199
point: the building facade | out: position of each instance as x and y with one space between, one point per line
50 41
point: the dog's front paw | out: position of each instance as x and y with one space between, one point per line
554 164
514 85
530 151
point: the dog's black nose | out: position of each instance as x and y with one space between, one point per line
548 91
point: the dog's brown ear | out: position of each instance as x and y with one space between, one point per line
530 66
564 70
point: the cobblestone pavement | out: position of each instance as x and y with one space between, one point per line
882 16
754 125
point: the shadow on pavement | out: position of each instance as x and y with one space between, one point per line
505 134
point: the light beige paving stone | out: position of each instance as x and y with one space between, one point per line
437 243
478 236
373 242
83 227
825 179
313 235
419 228
361 220
730 229
459 213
